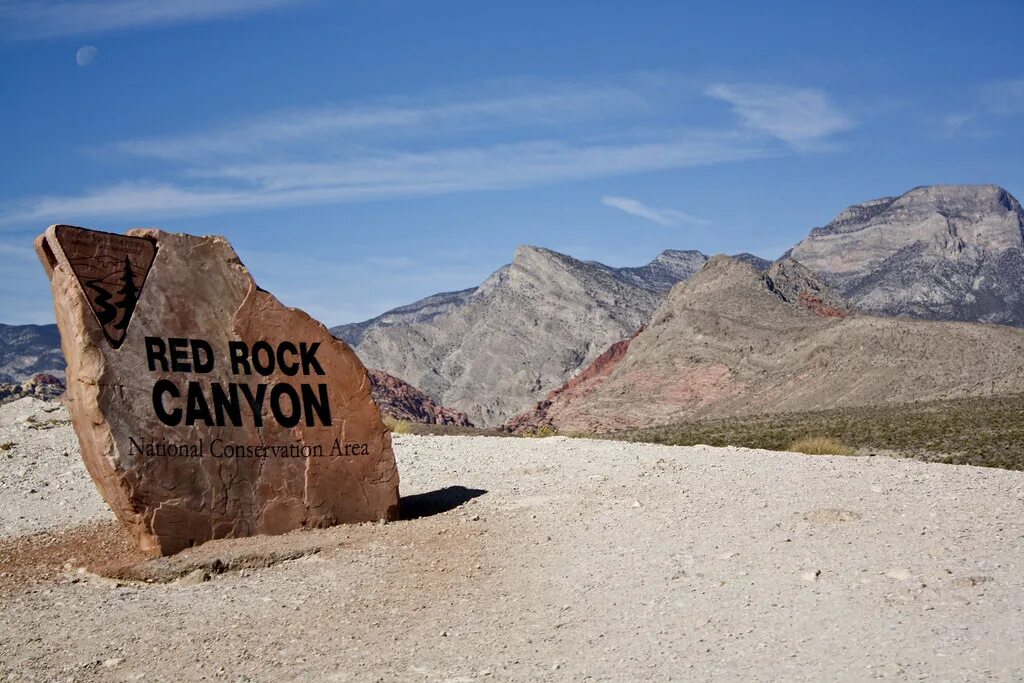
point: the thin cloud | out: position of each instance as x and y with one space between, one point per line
952 124
635 207
1004 98
47 19
357 178
801 117
320 126
413 149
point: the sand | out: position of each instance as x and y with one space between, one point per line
534 560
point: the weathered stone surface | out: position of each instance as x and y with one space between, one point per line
167 475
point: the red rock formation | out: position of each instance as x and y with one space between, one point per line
575 389
402 401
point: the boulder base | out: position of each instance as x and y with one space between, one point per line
204 407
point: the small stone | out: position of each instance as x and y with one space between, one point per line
194 578
811 575
899 573
112 662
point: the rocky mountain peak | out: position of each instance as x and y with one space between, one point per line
961 203
680 255
729 285
528 254
952 252
722 284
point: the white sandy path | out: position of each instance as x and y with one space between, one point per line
592 560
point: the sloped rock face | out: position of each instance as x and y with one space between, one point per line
402 401
204 408
668 268
576 389
527 329
420 311
949 252
796 284
732 341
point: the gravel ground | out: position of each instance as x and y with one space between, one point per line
542 559
43 483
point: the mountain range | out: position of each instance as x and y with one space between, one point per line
732 341
944 252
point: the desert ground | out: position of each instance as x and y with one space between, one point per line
533 559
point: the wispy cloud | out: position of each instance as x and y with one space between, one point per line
47 18
1005 97
635 207
992 101
526 164
952 124
441 144
801 117
340 126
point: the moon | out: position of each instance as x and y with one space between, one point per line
85 55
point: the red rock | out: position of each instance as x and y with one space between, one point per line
402 401
147 322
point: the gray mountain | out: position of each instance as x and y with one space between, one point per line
525 330
661 274
668 268
420 311
942 252
27 350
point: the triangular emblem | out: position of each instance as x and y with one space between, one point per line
112 270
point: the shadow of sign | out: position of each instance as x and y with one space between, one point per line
436 502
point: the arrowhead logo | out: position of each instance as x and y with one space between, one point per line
112 270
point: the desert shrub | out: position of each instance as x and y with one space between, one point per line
397 426
540 432
820 445
986 431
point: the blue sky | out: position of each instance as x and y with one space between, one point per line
360 155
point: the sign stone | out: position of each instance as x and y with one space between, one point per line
204 407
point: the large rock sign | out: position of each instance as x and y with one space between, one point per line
204 407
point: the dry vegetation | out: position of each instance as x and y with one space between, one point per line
982 431
820 445
979 431
398 426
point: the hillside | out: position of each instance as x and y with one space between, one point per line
733 341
